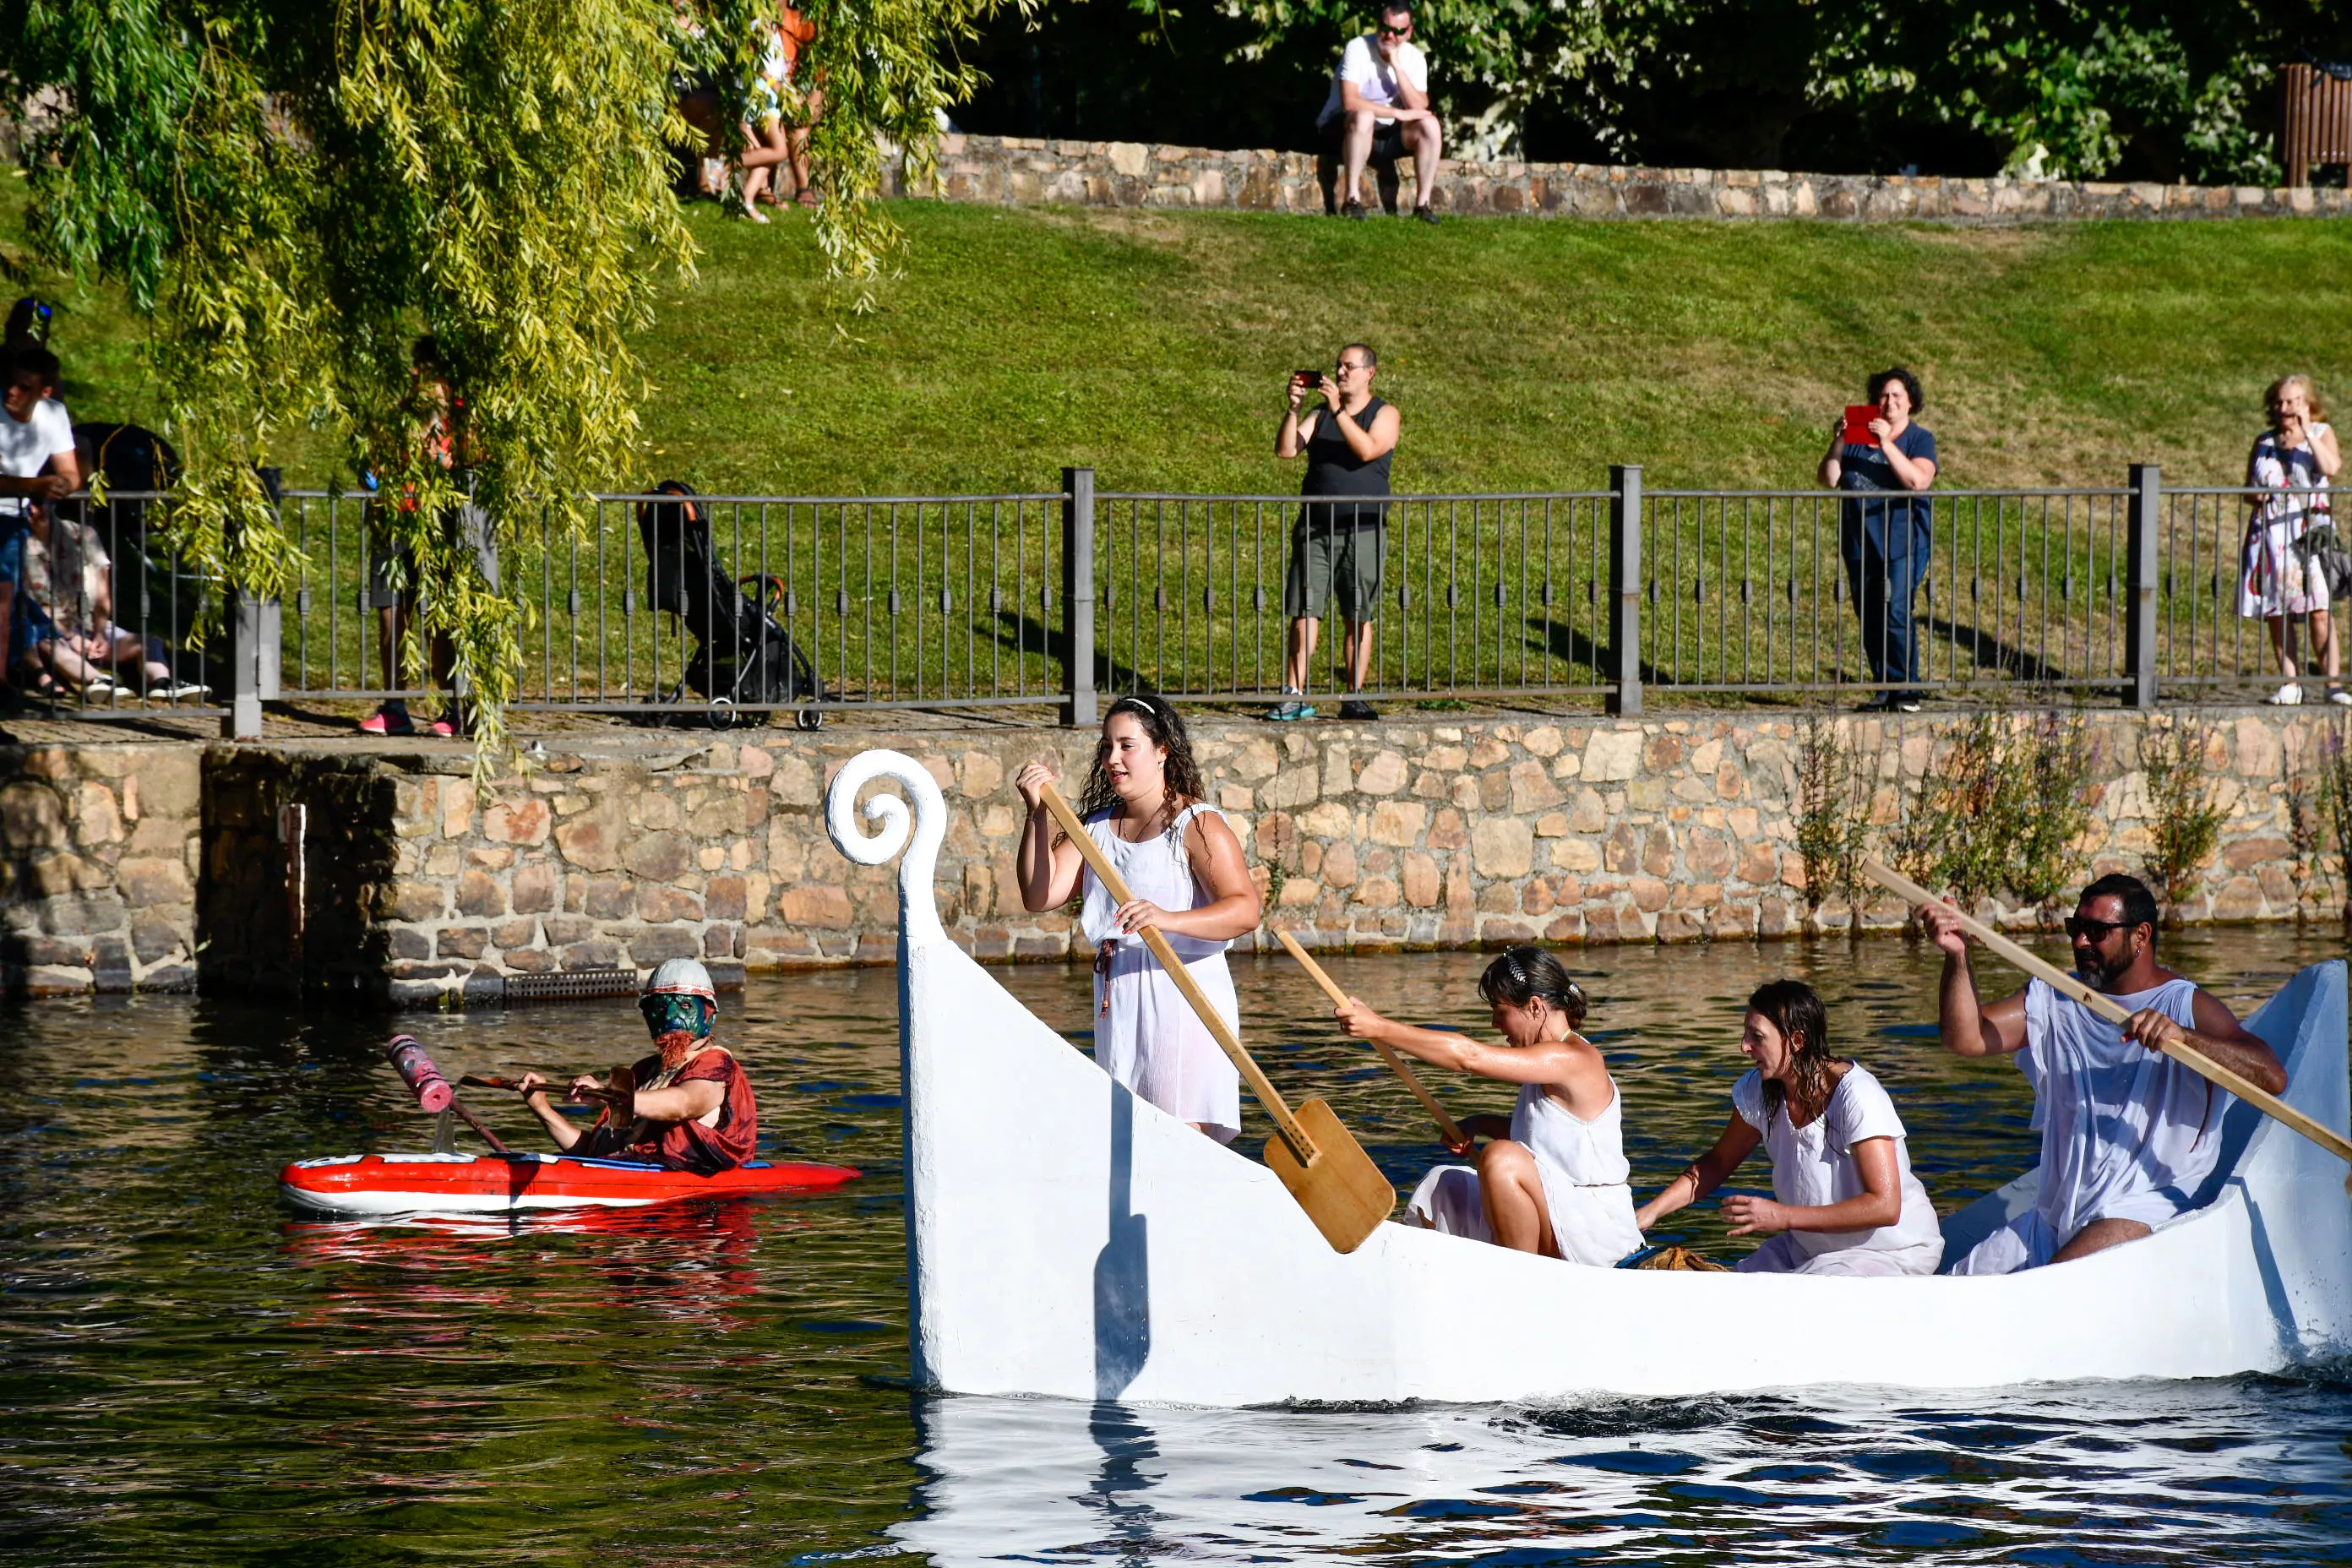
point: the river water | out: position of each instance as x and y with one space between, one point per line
191 1375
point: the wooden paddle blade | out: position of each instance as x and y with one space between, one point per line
1340 1189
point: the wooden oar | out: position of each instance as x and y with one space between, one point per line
2113 1012
1388 1053
1325 1168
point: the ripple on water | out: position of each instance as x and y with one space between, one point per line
192 1375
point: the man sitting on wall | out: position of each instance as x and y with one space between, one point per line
2128 1134
1379 109
687 1107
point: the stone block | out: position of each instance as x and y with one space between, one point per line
1502 846
511 934
535 887
1612 756
1291 789
529 960
456 807
31 818
153 938
724 898
461 942
415 901
825 908
657 905
1383 775
97 819
564 930
1421 881
525 821
608 897
594 953
591 841
1532 789
479 894
660 856
147 881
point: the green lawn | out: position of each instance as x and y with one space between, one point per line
1525 354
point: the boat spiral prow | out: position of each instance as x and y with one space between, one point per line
918 914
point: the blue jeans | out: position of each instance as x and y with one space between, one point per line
1886 573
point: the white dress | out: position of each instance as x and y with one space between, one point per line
2126 1132
1582 1164
1813 1166
2275 578
1146 1035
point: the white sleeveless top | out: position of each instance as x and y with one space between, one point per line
1156 868
1582 1153
2118 1119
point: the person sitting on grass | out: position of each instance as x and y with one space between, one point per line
1844 1197
1551 1179
687 1107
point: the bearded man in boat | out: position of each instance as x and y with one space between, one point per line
2129 1135
687 1107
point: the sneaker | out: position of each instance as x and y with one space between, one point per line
181 692
1905 703
2287 696
1290 711
441 729
1876 702
1358 708
391 719
2340 697
1425 216
1353 209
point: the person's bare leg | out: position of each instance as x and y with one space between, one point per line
1360 653
1512 1189
2098 1235
1428 144
1356 151
2324 646
1302 652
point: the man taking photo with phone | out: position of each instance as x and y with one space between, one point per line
1379 108
1346 437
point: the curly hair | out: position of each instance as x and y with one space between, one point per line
1524 974
1795 1009
1910 385
1163 728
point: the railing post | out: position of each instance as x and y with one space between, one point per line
1625 586
1078 595
255 639
2141 576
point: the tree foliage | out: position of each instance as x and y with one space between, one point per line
2072 88
295 191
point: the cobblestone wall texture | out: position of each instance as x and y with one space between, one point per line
98 862
1022 170
1415 832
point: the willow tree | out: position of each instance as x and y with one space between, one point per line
295 192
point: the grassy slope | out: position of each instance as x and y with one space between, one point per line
1524 353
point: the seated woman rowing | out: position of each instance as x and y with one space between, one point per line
1551 1178
1844 1197
687 1106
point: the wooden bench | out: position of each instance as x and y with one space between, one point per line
2315 119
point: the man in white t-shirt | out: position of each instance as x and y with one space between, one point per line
1379 108
37 441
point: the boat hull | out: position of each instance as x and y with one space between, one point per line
504 1184
1066 1238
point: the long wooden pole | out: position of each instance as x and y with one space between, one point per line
1211 1020
1446 1123
2107 1007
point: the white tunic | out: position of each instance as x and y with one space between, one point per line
1148 1037
1813 1166
1583 1166
2126 1132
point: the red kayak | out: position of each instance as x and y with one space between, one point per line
500 1183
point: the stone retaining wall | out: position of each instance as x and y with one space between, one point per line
1019 171
161 865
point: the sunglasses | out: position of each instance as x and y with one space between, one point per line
2076 926
1404 32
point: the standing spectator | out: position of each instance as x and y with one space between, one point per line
1347 437
802 95
1884 542
37 463
2296 457
1379 108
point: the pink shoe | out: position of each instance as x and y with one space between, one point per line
388 721
438 727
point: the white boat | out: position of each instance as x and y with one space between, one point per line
1065 1238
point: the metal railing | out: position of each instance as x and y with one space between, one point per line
1057 597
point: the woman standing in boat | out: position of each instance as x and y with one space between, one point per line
1844 1197
1551 1178
1143 806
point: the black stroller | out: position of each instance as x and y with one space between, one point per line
742 655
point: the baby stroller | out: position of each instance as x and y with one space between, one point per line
742 655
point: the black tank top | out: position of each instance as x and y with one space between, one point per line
1334 469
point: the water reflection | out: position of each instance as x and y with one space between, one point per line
192 1374
2119 1472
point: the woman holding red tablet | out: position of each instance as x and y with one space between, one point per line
1885 542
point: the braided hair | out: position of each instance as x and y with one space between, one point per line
1163 728
1524 974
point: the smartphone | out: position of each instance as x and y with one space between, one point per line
1310 379
1858 416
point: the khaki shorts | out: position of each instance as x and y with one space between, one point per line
1335 562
